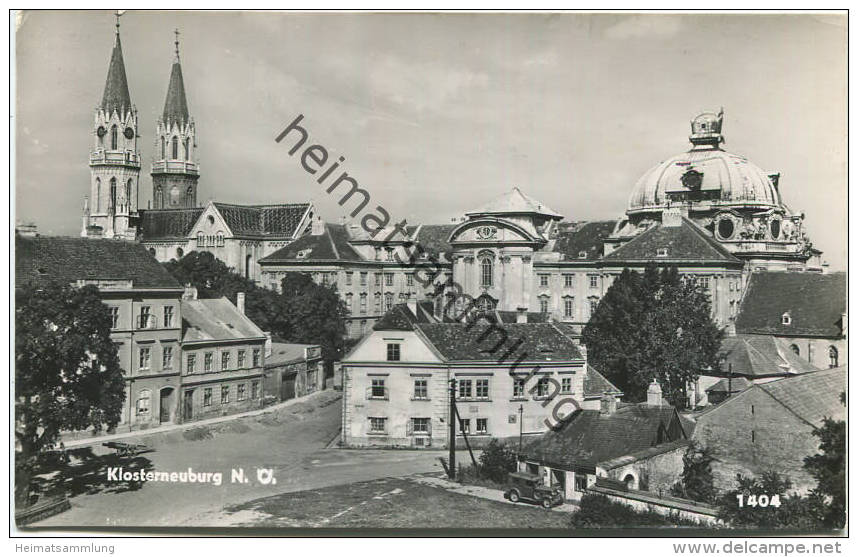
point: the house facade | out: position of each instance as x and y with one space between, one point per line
397 381
769 426
292 370
223 357
145 306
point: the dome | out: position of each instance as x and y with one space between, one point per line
707 174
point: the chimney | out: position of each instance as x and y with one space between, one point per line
653 394
521 315
267 343
318 226
608 404
239 302
190 292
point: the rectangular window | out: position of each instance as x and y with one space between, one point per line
569 307
421 389
378 279
207 397
254 390
363 304
543 304
349 278
542 387
378 390
388 279
224 360
518 388
388 301
241 358
566 385
167 360
349 302
543 280
594 281
168 316
192 363
420 425
144 357
704 283
145 315
580 482
363 279
241 391
482 390
409 279
465 388
393 352
482 426
389 254
224 394
378 425
208 361
594 303
256 356
378 254
568 281
114 317
465 425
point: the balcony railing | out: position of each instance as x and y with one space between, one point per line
177 167
377 393
114 157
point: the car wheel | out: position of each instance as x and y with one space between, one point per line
546 503
513 496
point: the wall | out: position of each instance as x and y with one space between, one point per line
752 433
815 350
655 474
667 507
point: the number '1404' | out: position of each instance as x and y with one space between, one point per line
761 500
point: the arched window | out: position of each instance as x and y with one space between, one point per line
487 265
179 253
543 304
163 147
143 402
175 147
98 195
187 146
114 138
248 261
388 301
112 201
128 196
189 195
795 349
833 357
159 198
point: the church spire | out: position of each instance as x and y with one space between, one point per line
176 105
116 96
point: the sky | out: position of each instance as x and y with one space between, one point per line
436 114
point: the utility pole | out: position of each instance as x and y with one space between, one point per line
520 426
730 380
452 440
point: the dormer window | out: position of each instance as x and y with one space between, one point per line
582 255
661 252
786 319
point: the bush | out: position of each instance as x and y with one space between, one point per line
597 511
697 483
792 511
497 460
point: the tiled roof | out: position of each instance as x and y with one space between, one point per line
585 237
279 220
815 303
595 384
42 258
331 245
286 352
532 316
588 437
433 238
168 224
514 202
760 356
216 319
734 385
540 341
811 396
116 96
684 243
176 104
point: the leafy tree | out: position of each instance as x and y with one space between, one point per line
67 374
314 314
788 511
653 325
497 460
829 469
697 482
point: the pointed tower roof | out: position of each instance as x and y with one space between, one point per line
176 105
116 96
515 202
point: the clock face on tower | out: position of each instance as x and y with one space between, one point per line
129 133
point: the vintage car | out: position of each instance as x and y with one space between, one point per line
524 486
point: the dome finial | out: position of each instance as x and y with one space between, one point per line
176 31
706 130
118 14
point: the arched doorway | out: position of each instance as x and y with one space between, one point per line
630 482
166 405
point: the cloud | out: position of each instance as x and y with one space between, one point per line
644 27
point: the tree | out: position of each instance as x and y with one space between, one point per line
314 314
67 374
787 511
497 460
829 469
653 325
697 482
